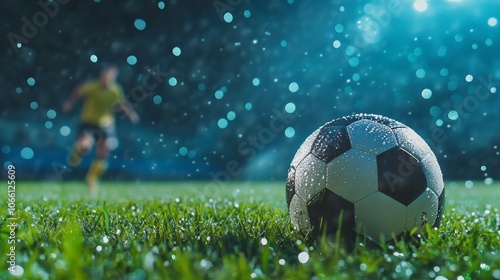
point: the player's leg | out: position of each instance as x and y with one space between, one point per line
100 164
98 167
82 145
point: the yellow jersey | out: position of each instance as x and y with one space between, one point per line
100 103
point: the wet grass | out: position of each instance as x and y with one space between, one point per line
199 231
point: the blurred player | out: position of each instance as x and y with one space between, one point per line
102 98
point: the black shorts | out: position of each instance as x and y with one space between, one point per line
99 133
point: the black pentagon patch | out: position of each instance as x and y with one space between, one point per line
400 175
347 120
290 185
343 121
332 141
331 214
439 216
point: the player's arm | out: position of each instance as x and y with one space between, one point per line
129 111
124 106
75 95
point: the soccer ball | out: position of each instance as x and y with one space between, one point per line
364 175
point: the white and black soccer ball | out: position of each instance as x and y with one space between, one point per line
364 174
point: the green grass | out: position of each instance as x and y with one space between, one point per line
199 231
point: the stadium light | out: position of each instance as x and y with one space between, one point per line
420 5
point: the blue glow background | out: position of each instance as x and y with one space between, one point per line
431 65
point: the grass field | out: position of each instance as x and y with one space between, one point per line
189 230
